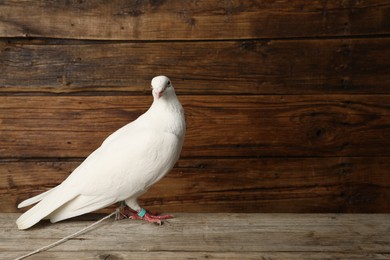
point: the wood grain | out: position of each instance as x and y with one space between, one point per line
335 184
188 20
179 255
303 125
231 67
287 102
301 236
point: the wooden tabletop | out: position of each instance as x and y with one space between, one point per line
204 236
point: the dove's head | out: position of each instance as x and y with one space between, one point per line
162 87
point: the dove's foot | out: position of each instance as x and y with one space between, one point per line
152 218
126 212
149 217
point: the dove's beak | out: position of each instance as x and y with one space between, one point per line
158 94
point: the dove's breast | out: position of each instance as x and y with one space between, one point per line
152 162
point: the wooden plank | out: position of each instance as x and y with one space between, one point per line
231 67
302 125
184 20
212 234
163 255
337 184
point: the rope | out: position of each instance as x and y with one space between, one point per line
67 237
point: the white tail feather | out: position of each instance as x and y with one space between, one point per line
46 206
35 199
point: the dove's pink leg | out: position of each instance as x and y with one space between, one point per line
126 212
151 218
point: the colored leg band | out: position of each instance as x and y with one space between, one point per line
141 213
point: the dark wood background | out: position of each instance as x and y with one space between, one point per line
287 102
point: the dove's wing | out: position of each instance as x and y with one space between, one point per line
142 123
117 134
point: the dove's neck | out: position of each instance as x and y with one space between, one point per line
167 102
168 115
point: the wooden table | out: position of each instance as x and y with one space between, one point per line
207 236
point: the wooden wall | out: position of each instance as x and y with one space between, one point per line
287 102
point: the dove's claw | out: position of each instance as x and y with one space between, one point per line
151 219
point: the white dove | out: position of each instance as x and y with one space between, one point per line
124 167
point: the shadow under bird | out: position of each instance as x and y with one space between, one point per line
124 167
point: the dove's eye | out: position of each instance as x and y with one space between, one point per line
169 83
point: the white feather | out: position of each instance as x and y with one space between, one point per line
127 163
35 199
